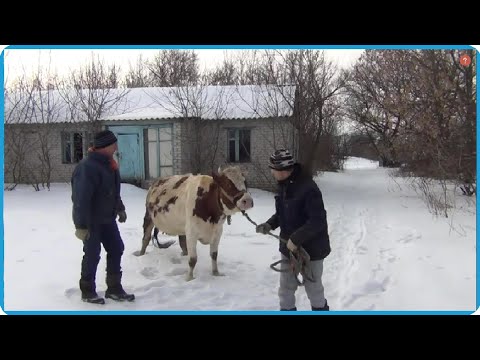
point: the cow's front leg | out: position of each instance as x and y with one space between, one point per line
214 255
192 256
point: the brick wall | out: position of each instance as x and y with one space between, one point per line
32 167
177 148
266 136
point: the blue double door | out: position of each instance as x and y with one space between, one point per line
130 153
128 156
144 151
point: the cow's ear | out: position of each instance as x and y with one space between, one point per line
242 170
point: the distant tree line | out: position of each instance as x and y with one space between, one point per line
418 109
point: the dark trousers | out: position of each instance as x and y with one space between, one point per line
108 236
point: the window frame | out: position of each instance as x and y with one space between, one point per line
86 136
158 142
236 138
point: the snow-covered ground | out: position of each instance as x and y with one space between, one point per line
388 253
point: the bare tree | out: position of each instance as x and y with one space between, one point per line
417 107
272 105
48 110
379 99
201 109
318 84
138 74
315 105
442 140
250 67
17 111
464 78
92 92
173 68
225 74
32 111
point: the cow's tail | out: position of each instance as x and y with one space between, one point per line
148 226
155 234
157 243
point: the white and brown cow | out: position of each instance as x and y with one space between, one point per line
195 207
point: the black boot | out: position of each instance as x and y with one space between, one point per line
115 290
292 309
324 308
88 292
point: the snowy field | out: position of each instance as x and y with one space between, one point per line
388 253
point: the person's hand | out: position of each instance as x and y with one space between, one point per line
263 228
82 234
291 246
122 216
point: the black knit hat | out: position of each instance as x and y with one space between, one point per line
103 139
281 160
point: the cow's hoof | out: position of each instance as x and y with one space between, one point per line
138 253
184 253
216 273
189 278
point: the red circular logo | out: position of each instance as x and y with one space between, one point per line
465 60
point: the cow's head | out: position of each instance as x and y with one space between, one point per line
233 187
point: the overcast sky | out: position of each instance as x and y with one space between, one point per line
18 61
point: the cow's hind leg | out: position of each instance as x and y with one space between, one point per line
182 239
147 231
214 255
192 255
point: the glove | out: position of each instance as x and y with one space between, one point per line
122 216
263 228
291 246
82 234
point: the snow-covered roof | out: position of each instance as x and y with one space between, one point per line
206 102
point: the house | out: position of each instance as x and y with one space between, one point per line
160 131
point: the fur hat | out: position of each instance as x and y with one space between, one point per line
103 139
281 160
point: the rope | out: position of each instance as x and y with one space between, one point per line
299 261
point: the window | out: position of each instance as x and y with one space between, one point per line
158 151
239 145
75 146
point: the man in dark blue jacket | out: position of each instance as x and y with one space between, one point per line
302 218
96 205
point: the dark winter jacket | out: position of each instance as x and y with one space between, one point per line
95 191
301 215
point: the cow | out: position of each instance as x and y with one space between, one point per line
194 207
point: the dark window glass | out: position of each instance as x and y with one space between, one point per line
244 155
